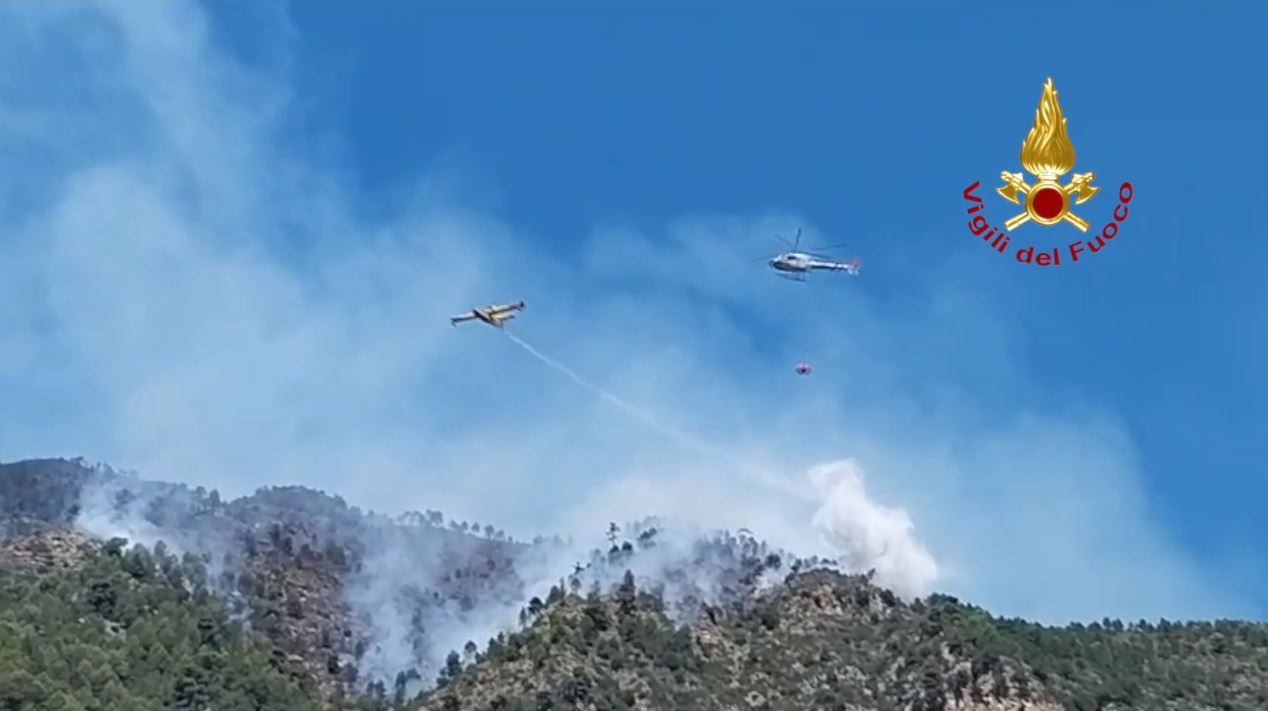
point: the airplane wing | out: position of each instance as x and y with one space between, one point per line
491 314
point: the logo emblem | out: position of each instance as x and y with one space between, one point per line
1047 154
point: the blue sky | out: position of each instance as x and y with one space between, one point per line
336 178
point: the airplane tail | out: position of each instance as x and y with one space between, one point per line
856 265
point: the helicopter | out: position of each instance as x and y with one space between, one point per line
796 264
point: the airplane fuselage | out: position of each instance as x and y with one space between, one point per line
489 318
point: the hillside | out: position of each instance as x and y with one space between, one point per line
829 641
289 598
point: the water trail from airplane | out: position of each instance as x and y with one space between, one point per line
763 476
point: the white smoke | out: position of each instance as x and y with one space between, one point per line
863 534
211 306
871 536
106 511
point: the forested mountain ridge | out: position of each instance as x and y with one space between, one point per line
289 598
300 566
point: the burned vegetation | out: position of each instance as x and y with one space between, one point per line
290 598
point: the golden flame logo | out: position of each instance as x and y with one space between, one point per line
1047 151
1047 154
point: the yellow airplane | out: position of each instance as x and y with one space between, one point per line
492 315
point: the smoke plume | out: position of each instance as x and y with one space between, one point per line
207 303
870 536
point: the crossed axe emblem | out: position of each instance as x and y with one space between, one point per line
1014 186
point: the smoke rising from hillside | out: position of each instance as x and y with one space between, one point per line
206 303
417 589
105 512
871 536
868 535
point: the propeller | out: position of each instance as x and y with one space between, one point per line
819 251
834 246
796 245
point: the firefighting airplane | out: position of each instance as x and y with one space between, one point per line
796 264
492 315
